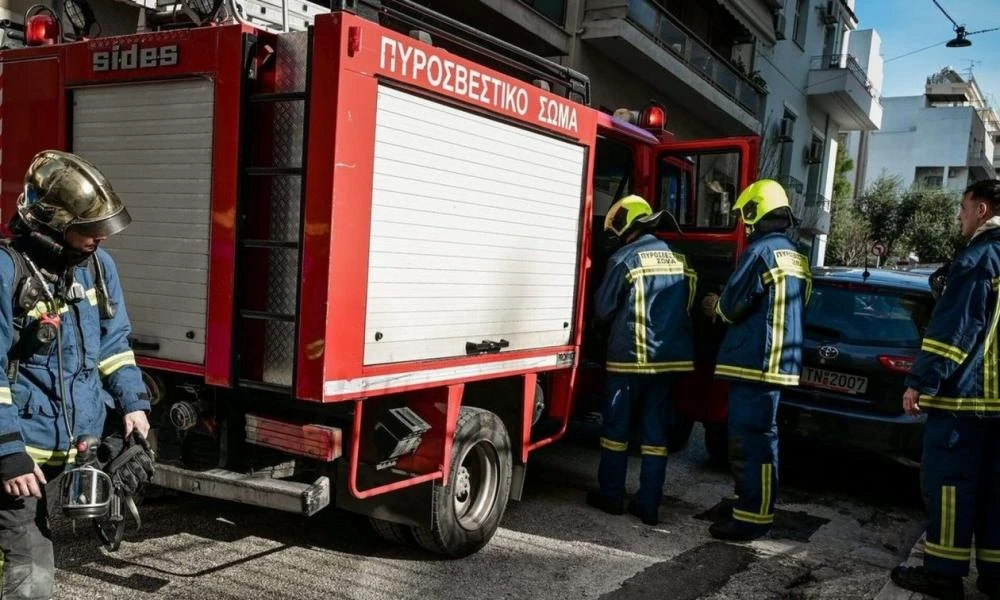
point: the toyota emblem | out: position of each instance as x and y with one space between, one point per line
828 352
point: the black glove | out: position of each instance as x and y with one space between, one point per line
15 465
937 280
133 466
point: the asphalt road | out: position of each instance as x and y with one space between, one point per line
842 522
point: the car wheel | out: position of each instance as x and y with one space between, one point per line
467 511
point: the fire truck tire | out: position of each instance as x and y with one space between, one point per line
392 532
467 511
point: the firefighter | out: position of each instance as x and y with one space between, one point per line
955 381
646 294
64 330
761 351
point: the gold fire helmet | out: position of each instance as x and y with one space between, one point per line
63 191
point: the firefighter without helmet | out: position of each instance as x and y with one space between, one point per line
62 190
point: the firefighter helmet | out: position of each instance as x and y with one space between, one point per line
63 191
629 213
760 198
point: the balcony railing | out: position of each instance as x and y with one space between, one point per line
791 185
676 38
844 61
816 213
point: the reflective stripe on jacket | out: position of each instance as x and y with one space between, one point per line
957 368
763 303
646 293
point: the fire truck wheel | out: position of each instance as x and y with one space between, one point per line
467 511
392 532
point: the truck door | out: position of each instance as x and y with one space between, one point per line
698 182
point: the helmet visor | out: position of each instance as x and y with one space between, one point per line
105 227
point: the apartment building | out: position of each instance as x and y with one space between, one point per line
945 138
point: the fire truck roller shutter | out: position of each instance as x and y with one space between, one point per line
475 232
154 143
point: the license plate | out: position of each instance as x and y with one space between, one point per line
831 380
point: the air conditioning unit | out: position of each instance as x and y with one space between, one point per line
786 130
779 25
830 14
814 153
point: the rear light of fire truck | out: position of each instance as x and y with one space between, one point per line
42 28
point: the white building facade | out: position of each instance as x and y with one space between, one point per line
945 138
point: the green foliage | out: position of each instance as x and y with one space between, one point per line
918 220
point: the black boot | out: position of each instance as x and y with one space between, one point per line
919 579
649 519
735 531
989 586
602 502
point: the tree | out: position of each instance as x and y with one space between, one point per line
879 207
848 242
919 220
929 227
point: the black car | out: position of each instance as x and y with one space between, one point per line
862 332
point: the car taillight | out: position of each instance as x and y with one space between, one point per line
42 30
896 364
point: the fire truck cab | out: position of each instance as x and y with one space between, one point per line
361 260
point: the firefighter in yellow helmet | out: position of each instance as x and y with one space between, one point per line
646 294
761 352
64 337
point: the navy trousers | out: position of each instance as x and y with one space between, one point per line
649 395
753 452
961 465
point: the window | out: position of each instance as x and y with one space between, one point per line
553 10
933 181
612 174
867 317
699 189
801 22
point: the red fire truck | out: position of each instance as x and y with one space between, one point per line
360 262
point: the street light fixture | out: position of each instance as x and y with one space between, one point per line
960 41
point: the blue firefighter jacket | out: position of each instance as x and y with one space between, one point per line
957 368
763 303
646 294
99 370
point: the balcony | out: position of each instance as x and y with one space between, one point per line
793 187
655 47
839 86
814 214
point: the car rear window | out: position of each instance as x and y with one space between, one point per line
867 317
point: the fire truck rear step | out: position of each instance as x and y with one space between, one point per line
289 496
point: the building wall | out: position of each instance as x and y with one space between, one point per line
914 135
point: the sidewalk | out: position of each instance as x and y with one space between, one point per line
891 591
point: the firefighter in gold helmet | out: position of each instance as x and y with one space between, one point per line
646 294
761 352
64 331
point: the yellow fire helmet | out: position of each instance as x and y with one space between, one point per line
62 191
628 212
760 198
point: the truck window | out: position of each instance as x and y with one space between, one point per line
699 189
612 174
